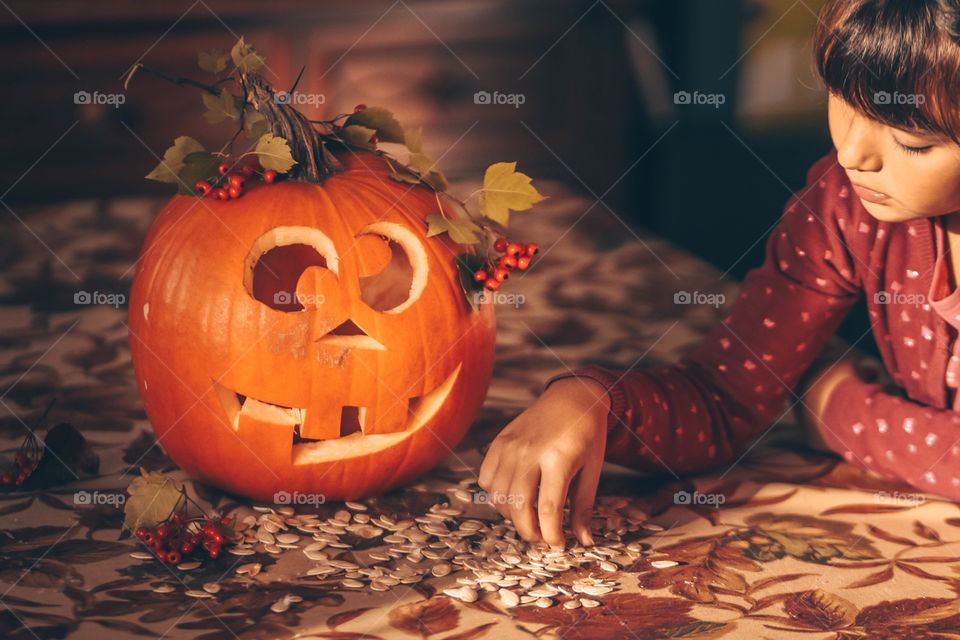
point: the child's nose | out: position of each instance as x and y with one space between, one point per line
858 148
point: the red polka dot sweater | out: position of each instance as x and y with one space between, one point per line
825 253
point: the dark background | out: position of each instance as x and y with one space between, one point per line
598 80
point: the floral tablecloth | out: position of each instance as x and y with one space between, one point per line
785 544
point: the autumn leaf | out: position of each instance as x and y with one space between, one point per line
358 136
274 153
459 230
505 189
246 59
213 61
422 163
381 121
254 122
153 497
199 165
173 157
221 107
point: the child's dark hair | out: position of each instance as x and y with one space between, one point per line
897 61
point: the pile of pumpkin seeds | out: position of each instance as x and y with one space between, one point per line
475 556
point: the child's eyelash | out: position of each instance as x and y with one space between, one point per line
913 150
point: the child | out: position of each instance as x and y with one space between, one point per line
877 219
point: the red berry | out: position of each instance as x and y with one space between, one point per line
236 180
523 262
500 245
224 169
360 107
155 544
187 548
163 531
213 551
225 520
373 139
142 532
532 249
501 274
491 284
21 459
269 176
247 170
173 557
203 187
479 275
162 556
7 478
508 262
221 194
235 192
514 249
148 537
21 478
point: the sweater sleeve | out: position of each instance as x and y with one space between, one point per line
707 408
894 436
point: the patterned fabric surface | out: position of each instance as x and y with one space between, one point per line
785 543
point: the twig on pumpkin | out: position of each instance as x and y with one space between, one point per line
175 80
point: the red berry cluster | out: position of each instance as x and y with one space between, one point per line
230 185
180 536
25 466
515 256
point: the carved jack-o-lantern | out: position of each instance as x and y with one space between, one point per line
307 337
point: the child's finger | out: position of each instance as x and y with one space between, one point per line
584 492
519 503
553 495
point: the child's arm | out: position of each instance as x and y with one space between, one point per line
704 411
894 436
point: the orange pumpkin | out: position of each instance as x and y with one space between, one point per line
307 338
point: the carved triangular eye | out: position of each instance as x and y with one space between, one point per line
401 282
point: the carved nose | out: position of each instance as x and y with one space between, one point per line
348 334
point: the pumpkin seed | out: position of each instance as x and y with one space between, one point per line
163 588
350 582
572 604
355 506
441 569
188 566
141 555
587 602
211 587
509 598
663 564
195 593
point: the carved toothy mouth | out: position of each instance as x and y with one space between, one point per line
352 441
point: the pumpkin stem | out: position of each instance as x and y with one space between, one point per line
315 163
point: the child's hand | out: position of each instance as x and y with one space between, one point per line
558 443
817 386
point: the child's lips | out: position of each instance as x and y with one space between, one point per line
870 195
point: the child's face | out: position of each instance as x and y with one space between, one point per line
896 183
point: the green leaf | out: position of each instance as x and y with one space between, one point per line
153 497
414 140
220 107
409 178
255 123
357 136
274 153
380 120
173 157
244 56
504 189
213 61
460 230
199 165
